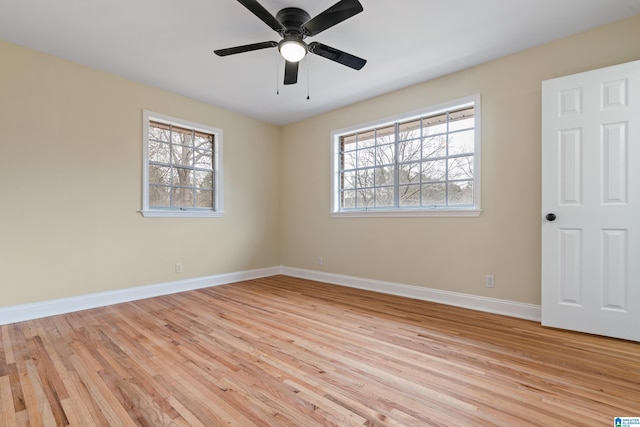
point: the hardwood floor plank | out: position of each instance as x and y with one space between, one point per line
5 351
49 380
36 403
7 411
282 351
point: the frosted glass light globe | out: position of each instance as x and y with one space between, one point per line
292 50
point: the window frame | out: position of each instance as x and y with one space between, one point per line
218 199
420 211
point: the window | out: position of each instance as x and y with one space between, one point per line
424 163
182 168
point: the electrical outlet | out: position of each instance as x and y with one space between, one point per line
178 267
490 281
319 261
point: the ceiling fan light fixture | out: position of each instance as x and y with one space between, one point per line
293 50
294 25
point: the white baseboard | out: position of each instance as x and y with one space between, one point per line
24 312
474 302
38 310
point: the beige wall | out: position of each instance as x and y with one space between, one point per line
70 186
452 254
70 183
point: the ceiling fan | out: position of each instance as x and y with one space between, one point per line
294 25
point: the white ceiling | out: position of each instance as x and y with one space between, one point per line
169 44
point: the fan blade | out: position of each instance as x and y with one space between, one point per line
262 13
244 48
291 73
336 55
337 13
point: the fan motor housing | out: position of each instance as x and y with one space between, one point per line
292 19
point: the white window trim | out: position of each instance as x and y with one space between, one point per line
217 153
409 213
473 211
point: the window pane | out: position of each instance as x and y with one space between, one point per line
409 130
461 119
386 135
463 123
159 196
433 194
182 155
434 147
366 139
203 179
366 157
349 160
384 176
434 171
409 150
461 168
181 136
159 152
159 175
203 159
365 198
365 178
348 142
410 195
348 199
204 199
349 180
182 177
461 142
204 143
409 173
434 125
461 193
384 197
158 134
182 198
385 155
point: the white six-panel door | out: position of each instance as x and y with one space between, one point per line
591 184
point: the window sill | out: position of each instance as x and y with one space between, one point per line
434 213
180 214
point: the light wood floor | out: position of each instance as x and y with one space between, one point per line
282 351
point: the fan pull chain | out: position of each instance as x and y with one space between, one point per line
308 77
277 73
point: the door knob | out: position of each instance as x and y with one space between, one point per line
551 217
